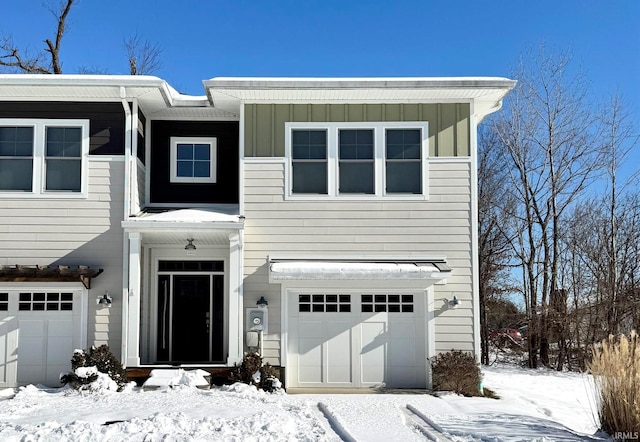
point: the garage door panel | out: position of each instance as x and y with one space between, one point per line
58 352
338 358
8 351
59 327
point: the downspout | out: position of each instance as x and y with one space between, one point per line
126 213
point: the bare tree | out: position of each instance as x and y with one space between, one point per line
495 232
11 56
548 137
144 56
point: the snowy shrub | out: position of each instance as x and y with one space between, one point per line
616 370
456 371
90 367
252 371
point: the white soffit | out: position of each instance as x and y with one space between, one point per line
293 270
487 92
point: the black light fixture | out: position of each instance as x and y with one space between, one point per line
105 300
262 303
455 302
190 245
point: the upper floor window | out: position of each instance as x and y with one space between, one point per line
193 160
357 160
43 158
309 161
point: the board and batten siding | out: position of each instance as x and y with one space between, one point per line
440 226
449 123
75 232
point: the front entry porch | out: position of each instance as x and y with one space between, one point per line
184 303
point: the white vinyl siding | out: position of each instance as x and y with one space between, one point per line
75 232
440 226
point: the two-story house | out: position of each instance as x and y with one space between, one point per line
134 216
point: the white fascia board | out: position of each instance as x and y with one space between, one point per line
169 226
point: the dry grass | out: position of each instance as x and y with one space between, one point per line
616 370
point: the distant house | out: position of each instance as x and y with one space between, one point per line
154 222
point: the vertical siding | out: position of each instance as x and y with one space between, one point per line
448 123
75 232
383 227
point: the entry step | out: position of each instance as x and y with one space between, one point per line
163 378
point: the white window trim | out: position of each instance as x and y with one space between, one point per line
212 142
379 159
39 150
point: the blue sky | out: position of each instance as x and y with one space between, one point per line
202 39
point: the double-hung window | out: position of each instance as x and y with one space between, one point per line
193 160
309 161
357 160
43 158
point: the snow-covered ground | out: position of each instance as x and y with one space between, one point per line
534 405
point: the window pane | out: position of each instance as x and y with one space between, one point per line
356 144
201 169
404 177
185 151
356 177
16 174
185 168
63 175
310 177
16 141
309 144
64 142
403 144
202 152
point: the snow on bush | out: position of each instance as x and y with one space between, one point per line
95 370
252 371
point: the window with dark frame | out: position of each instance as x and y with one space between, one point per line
391 303
45 301
324 303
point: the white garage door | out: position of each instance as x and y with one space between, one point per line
38 332
343 340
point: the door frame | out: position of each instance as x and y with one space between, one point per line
153 254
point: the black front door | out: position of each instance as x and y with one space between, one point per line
190 318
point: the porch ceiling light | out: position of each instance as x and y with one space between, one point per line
190 245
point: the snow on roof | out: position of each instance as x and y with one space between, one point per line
338 270
192 216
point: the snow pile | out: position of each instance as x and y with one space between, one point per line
534 405
171 378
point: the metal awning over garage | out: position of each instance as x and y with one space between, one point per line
318 269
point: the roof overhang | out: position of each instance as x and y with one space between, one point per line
155 96
282 270
205 226
485 92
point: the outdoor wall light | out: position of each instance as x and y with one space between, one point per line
262 303
105 300
453 303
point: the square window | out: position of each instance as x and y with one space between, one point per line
407 308
367 298
332 298
304 308
38 306
345 308
394 308
66 306
394 298
23 306
53 296
381 298
4 307
193 160
318 307
4 297
380 308
66 296
318 298
25 297
407 298
304 298
367 308
52 306
38 296
345 298
331 308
